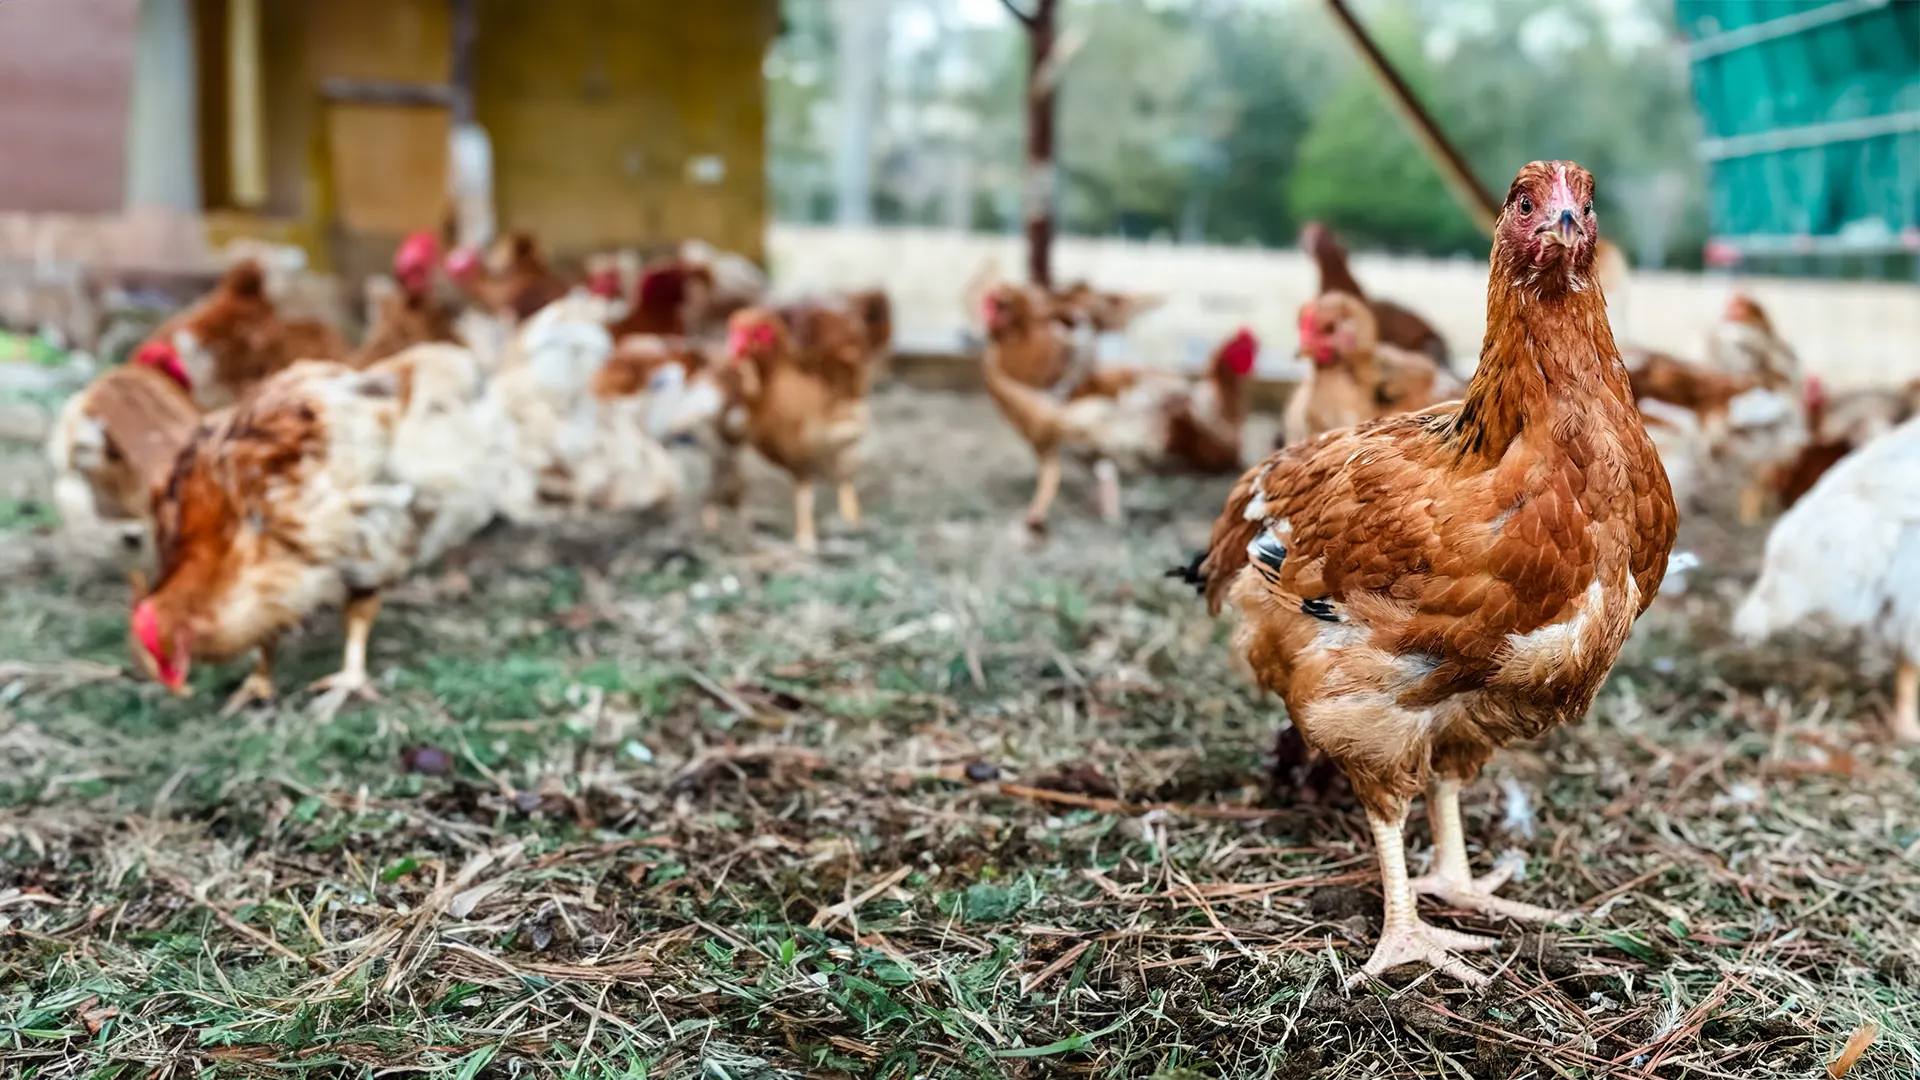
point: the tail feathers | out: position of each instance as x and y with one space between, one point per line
1191 574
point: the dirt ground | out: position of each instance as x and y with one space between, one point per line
644 803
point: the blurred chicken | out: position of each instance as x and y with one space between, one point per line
583 443
1426 588
1744 345
672 299
513 281
1355 377
1397 326
803 406
112 444
1658 376
233 338
1683 448
325 484
1113 419
1849 552
407 313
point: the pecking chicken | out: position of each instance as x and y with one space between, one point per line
1850 552
408 313
1425 588
512 282
233 338
325 484
1356 377
1398 326
113 442
800 388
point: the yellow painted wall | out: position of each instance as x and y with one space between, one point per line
599 108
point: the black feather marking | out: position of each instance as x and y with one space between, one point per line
1191 573
1321 609
1267 550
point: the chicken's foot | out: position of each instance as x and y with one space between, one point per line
1906 702
258 687
1452 878
351 680
1044 489
1404 939
1107 475
804 536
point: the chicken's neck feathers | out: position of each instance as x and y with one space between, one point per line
1548 362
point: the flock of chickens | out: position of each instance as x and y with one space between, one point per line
1426 570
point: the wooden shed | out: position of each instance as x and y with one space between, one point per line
326 122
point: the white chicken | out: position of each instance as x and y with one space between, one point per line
1850 552
579 447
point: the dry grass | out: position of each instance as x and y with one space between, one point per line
645 805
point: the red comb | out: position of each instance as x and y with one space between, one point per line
416 253
1241 351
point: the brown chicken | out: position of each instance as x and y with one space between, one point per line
512 282
671 300
1355 377
1837 425
114 441
233 338
1140 419
410 314
803 407
1426 588
1704 391
1744 344
1398 326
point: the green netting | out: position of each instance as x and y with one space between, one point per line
1811 111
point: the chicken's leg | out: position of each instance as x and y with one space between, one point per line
803 533
351 680
1452 878
849 503
1906 702
1404 939
258 687
1107 475
1752 502
1044 490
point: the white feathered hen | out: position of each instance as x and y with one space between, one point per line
1850 552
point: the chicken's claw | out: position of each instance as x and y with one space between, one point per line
1418 943
336 689
1477 894
256 690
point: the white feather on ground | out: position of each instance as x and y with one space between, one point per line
1849 552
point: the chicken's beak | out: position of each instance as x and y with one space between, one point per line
1565 229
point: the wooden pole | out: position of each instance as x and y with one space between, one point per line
1476 200
1043 28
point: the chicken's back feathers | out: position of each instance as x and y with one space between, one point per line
122 433
1849 551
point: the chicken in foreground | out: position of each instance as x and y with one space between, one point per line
1850 552
223 345
802 404
1398 326
1426 588
407 313
1355 376
1114 419
325 485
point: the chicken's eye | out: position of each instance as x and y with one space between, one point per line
1526 205
1588 209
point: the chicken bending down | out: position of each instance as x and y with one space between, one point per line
325 485
1426 588
1849 551
800 391
1115 419
113 443
1355 377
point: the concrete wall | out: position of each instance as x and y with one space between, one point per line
1853 333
